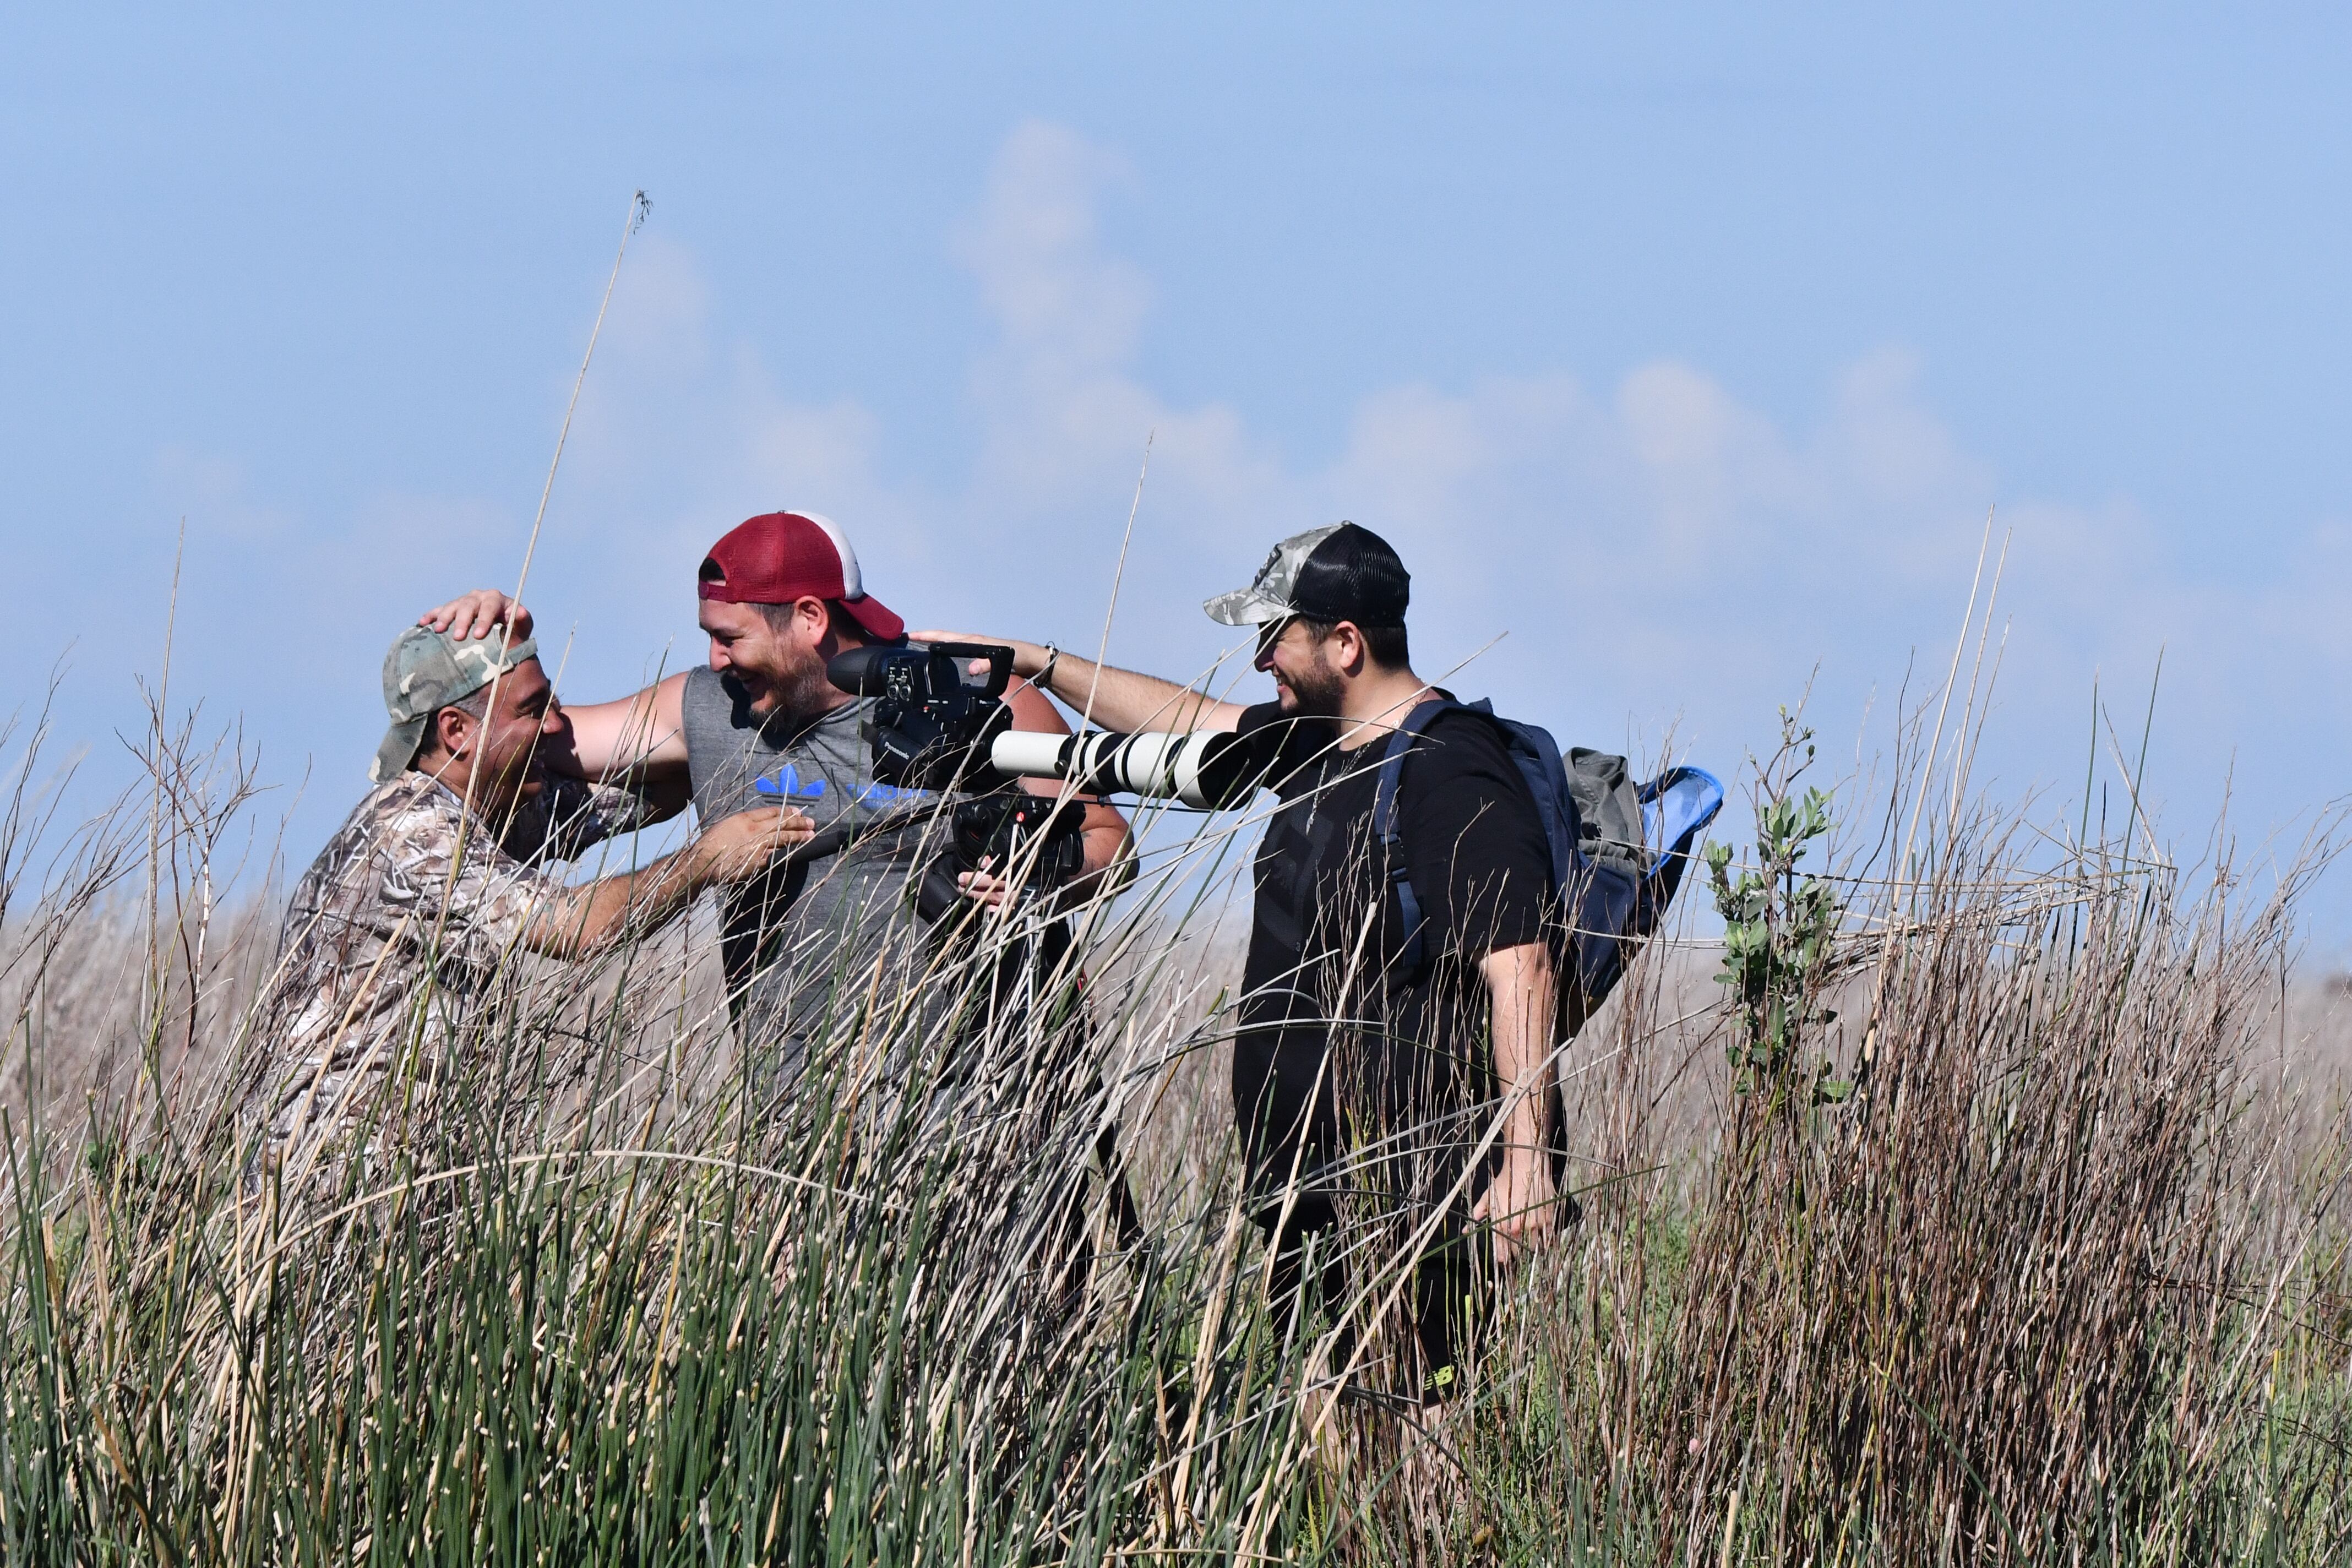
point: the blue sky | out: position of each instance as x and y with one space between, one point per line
1689 348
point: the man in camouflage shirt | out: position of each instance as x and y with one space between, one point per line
395 935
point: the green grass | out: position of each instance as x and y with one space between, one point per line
2056 1285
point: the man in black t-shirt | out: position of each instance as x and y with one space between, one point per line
1363 1087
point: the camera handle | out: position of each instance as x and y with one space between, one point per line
999 657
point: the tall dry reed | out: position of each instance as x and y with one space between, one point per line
2052 1274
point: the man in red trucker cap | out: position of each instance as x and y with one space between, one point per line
781 595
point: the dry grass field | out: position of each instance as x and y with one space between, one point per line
1992 1212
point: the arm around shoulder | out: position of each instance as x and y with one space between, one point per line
641 735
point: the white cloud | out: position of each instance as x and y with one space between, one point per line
1067 310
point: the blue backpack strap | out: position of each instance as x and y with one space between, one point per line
1415 953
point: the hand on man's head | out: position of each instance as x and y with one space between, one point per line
476 615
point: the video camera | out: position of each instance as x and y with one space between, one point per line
932 728
932 722
937 726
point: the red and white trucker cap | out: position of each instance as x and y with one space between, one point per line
780 556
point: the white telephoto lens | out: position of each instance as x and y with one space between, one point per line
1157 766
1025 753
1162 765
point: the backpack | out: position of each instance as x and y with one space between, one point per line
1618 851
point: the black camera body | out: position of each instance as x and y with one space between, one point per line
930 728
932 722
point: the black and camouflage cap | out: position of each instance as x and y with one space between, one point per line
427 670
1341 573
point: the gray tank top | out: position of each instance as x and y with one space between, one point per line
802 945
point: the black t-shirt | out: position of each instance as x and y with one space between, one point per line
1327 945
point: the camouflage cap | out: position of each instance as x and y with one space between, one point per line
1342 572
427 670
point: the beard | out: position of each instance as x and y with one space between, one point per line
1317 691
788 695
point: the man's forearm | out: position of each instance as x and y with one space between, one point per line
588 917
1520 981
1521 1203
1105 697
1113 699
640 738
1110 858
